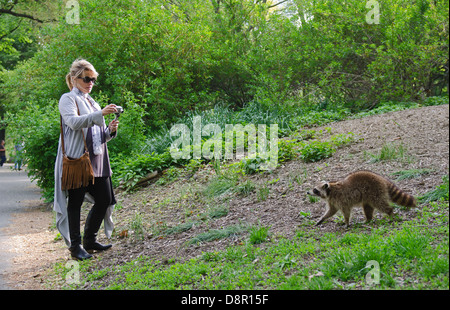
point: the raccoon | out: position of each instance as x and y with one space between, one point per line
365 188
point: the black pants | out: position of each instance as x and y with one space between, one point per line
103 194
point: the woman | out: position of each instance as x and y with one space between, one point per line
81 114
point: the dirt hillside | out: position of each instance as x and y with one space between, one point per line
422 133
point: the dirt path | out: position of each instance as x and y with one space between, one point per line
34 251
26 247
424 133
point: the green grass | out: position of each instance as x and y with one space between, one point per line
137 226
410 255
219 186
258 234
216 234
441 192
411 174
390 151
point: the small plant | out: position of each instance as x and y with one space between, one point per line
218 211
219 186
287 150
137 226
300 177
193 166
246 188
313 199
180 228
258 234
389 151
263 193
411 174
285 262
170 176
216 234
217 167
118 206
441 192
342 139
251 166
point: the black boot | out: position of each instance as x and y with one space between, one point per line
91 246
93 222
77 252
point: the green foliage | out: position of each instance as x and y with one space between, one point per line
390 151
408 257
410 174
245 188
137 166
233 62
441 192
137 226
217 234
287 150
258 234
218 212
131 125
39 130
180 228
316 150
179 56
220 186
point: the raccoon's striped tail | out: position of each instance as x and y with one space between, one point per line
400 197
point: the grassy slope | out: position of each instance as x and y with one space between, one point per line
411 254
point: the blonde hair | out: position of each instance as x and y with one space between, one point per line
76 70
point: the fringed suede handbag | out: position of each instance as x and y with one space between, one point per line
78 172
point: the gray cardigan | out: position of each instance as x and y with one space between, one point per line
72 124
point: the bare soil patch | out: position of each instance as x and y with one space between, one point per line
33 248
422 132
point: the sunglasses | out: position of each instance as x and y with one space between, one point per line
87 79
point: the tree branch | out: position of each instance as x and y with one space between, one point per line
11 31
10 12
281 2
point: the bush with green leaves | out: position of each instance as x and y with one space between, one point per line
39 130
296 64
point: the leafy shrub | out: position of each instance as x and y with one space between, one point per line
131 133
316 150
39 130
287 150
436 100
136 167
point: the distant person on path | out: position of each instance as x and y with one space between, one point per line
90 120
19 156
2 153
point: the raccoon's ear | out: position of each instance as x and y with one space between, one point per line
327 188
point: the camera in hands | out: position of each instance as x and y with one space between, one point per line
119 111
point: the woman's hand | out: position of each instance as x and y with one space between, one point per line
113 126
109 109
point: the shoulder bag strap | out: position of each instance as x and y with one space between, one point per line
62 133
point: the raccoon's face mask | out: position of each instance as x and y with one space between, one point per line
322 190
